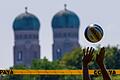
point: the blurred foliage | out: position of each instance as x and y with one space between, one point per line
72 60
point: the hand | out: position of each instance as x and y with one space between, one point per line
100 57
100 62
88 55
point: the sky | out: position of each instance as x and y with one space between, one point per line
102 12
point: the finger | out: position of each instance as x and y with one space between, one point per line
92 50
102 52
87 52
84 52
104 49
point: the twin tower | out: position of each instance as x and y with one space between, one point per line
26 26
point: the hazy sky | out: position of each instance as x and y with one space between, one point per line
103 12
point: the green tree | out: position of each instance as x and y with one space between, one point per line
44 64
117 60
73 60
110 57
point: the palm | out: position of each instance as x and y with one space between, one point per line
88 55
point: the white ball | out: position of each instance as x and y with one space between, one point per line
93 33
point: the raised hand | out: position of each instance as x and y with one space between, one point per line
100 62
87 58
88 55
100 57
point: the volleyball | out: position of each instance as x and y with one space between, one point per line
93 33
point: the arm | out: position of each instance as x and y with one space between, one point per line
85 73
100 62
87 57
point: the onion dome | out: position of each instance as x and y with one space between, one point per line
65 19
26 21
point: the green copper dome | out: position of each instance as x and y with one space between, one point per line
26 21
65 19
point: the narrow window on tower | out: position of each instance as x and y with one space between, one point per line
58 53
19 56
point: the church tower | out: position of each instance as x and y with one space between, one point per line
26 38
65 25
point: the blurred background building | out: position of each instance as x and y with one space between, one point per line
65 25
26 38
